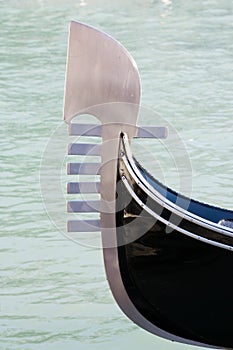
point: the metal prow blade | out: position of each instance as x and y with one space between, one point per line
102 79
100 71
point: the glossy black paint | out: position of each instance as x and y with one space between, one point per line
179 284
203 210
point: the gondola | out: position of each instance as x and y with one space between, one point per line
168 258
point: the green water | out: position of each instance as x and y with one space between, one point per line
53 293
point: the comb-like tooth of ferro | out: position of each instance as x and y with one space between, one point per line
85 130
83 168
84 149
83 187
156 132
83 225
83 206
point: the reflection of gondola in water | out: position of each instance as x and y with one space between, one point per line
168 258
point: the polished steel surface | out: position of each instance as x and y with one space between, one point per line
102 79
83 206
83 187
83 168
83 226
99 71
84 149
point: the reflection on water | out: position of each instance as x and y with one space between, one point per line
166 8
54 294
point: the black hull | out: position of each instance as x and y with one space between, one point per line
180 284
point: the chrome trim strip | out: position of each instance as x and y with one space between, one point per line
164 201
169 224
